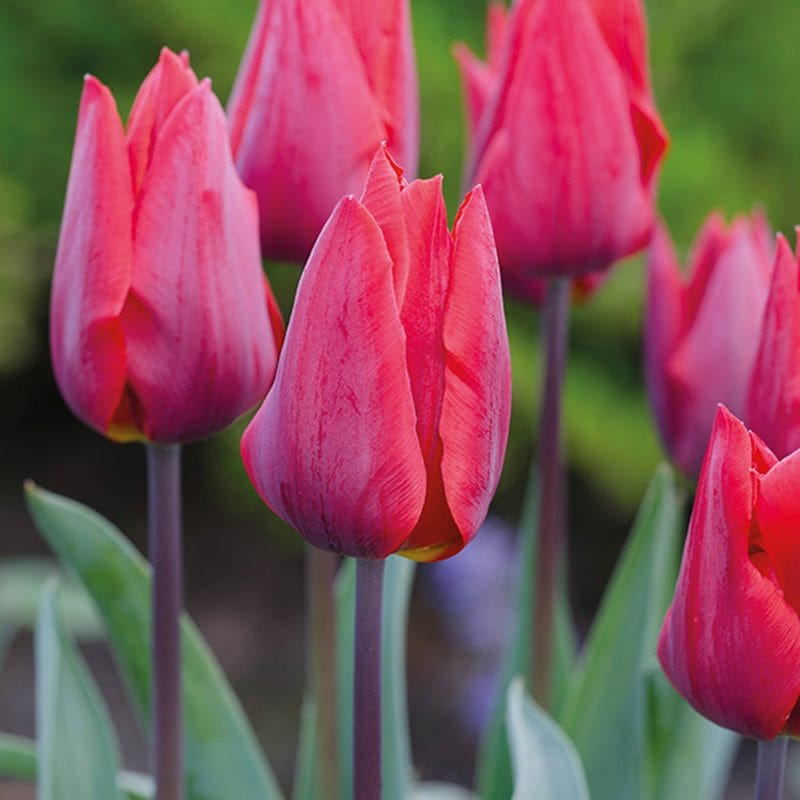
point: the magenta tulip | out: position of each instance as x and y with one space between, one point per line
730 643
774 399
386 427
321 85
565 138
701 332
163 326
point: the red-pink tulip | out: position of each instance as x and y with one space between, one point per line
161 322
386 427
565 138
321 85
701 332
730 643
774 399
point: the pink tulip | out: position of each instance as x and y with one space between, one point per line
774 399
321 85
730 643
701 333
565 137
163 326
386 427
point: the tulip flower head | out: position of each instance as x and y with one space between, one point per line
162 325
774 399
386 427
565 138
730 643
695 355
321 85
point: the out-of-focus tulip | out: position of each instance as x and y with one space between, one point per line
730 643
774 399
701 333
321 85
386 427
162 324
565 138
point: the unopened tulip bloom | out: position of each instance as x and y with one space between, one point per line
162 323
565 138
386 427
730 643
774 399
701 331
321 85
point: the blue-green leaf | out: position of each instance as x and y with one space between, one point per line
223 760
605 711
546 765
77 751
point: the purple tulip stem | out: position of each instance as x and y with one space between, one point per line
367 681
552 494
770 768
321 569
166 719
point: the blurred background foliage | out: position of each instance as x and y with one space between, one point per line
725 74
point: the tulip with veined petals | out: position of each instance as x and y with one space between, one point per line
565 138
321 85
163 326
774 400
730 643
701 331
386 427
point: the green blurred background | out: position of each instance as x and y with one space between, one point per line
725 75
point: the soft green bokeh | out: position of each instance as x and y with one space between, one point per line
725 72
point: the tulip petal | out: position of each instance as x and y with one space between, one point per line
381 30
381 197
730 643
422 315
168 82
302 56
582 212
477 395
334 449
774 401
477 79
93 264
778 516
196 247
714 362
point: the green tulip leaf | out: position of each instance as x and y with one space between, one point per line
18 761
17 757
223 760
689 756
441 791
396 747
77 750
605 711
546 765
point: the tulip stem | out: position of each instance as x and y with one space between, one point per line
166 718
321 569
367 681
550 538
770 768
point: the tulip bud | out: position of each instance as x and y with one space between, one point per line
386 427
321 85
565 138
730 643
701 333
163 326
774 399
